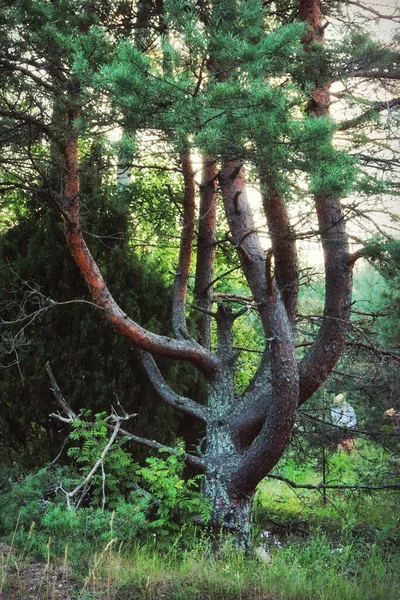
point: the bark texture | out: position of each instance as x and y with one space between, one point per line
206 245
185 253
283 245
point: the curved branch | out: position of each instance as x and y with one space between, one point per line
244 234
184 405
275 384
393 17
365 74
12 67
139 337
116 429
279 415
330 341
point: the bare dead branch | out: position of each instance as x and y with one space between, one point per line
391 17
92 472
365 74
72 416
365 116
334 486
190 459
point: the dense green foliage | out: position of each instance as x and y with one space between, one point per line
44 294
108 507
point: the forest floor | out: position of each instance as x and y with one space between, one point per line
24 579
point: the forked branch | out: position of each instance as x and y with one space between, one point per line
131 331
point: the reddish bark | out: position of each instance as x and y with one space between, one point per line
143 339
310 12
206 243
185 252
284 247
328 346
246 435
244 235
261 421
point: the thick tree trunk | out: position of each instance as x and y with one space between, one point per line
231 511
230 516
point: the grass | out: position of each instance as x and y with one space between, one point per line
368 516
297 571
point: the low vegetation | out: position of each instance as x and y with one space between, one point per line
304 546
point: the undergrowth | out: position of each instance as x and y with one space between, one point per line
304 549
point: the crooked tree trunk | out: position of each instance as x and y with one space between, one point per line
231 512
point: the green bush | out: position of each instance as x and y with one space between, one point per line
34 511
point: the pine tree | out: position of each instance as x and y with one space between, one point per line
248 86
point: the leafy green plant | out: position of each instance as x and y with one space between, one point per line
109 508
178 500
107 487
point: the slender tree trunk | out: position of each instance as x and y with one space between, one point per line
185 250
283 245
328 347
206 243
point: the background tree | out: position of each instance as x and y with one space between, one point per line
40 279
